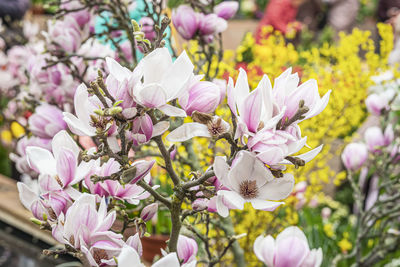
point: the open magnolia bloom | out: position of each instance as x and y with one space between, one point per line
163 81
289 249
61 165
249 181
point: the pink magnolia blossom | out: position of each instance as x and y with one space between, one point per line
186 21
143 129
375 139
148 212
47 121
62 165
163 81
226 9
20 158
112 188
187 249
376 103
211 24
273 146
148 28
82 17
64 34
46 206
249 181
289 249
87 228
354 156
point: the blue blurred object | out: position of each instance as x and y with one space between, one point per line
137 12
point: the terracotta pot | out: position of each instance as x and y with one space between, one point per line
152 246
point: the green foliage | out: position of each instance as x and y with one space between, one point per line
175 3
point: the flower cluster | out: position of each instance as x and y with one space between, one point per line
103 128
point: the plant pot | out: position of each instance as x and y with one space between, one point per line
152 246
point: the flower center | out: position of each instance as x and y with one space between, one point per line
248 189
99 254
215 127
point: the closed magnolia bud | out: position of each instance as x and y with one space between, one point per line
354 156
186 22
148 212
46 121
202 96
226 9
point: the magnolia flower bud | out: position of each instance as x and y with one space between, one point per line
227 9
377 103
185 21
202 96
326 213
148 212
376 139
148 28
187 249
354 156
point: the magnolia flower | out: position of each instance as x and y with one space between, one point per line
148 212
84 223
64 34
226 9
186 21
46 121
202 96
20 159
287 93
129 257
187 249
211 24
47 205
254 110
129 192
163 80
354 156
375 139
289 249
148 28
249 181
204 126
62 165
376 103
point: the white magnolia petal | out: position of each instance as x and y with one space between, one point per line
222 209
151 95
172 111
129 257
26 195
170 260
241 89
221 169
321 105
233 199
63 140
120 73
113 143
308 156
264 249
77 126
160 128
188 131
41 160
279 188
265 205
155 64
81 99
291 231
178 76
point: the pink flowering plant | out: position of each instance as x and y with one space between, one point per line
105 124
373 174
